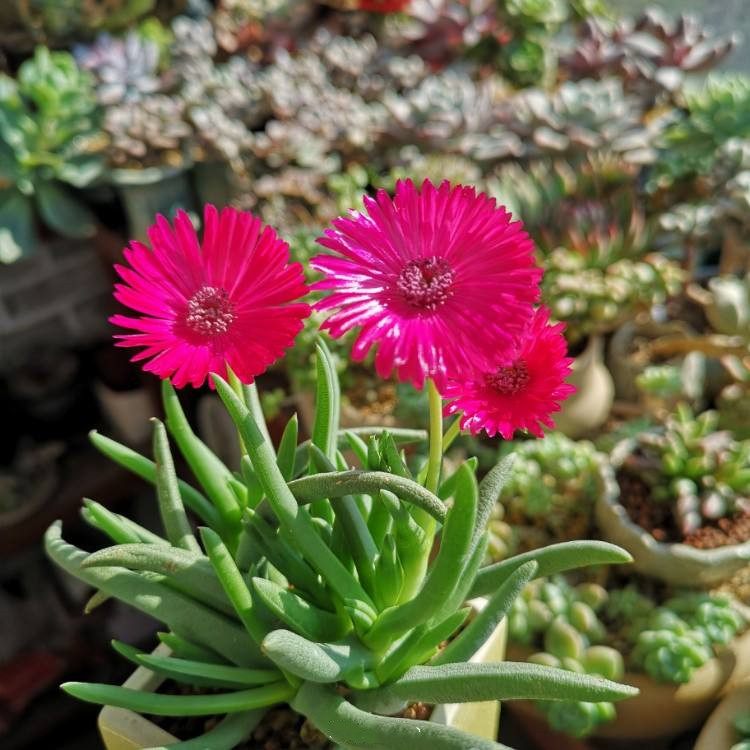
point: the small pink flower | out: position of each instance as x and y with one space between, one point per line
438 278
230 300
521 390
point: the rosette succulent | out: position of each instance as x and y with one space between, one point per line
50 138
125 69
581 117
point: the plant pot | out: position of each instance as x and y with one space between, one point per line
589 406
676 564
128 412
718 732
663 710
215 182
151 191
125 730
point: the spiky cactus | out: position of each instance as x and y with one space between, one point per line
312 582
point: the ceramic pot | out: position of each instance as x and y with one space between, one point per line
718 732
589 406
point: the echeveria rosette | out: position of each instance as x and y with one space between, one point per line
522 389
437 277
230 300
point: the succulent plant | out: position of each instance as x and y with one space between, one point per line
741 725
714 114
149 132
675 639
49 136
703 474
650 54
551 489
125 69
582 117
593 241
325 600
563 620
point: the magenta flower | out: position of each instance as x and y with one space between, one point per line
521 390
230 300
438 278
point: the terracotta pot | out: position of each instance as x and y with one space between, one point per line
718 732
676 564
125 730
589 406
663 710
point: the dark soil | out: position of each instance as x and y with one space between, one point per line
280 729
656 518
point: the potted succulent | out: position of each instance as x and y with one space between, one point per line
309 582
682 653
681 504
50 141
148 152
549 495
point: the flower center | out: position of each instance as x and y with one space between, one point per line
210 311
510 379
426 283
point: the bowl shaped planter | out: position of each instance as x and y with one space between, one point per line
718 732
126 730
663 710
673 563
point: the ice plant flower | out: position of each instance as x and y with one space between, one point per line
230 300
523 388
436 277
383 6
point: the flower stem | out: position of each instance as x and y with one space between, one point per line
436 437
451 433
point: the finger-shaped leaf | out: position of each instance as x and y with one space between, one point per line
298 614
448 487
199 673
176 525
489 492
228 733
358 447
108 523
210 472
339 483
184 649
469 682
350 727
476 633
253 487
445 572
554 559
316 662
180 613
233 584
389 450
295 519
388 581
287 448
327 403
146 469
160 704
191 573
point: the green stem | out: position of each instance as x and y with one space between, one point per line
451 433
436 437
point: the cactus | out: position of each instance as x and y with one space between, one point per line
49 138
331 587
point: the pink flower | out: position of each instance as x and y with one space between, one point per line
522 389
439 279
230 300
